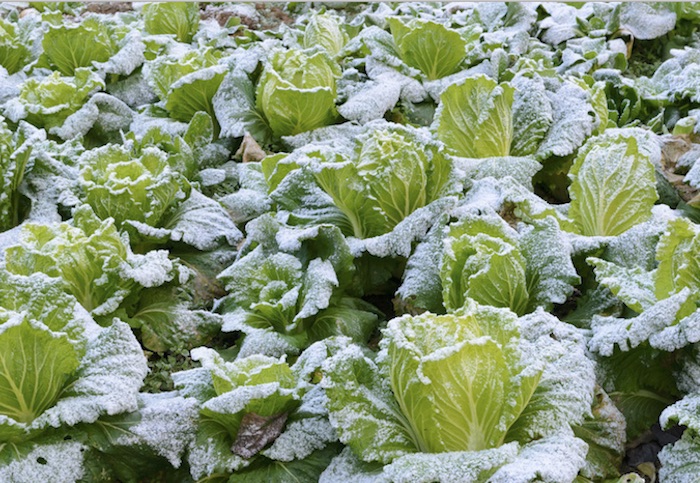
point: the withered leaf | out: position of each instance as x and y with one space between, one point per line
256 432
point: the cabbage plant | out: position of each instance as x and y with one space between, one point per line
60 369
432 48
474 381
90 259
123 186
186 83
474 118
297 91
180 19
391 172
49 101
259 416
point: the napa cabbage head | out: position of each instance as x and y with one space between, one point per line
297 91
483 261
49 101
122 185
437 51
323 30
91 260
59 367
392 172
180 19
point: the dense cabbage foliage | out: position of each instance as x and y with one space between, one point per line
408 242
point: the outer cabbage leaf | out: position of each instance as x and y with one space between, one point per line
178 18
296 91
147 443
434 49
551 276
532 114
362 407
679 461
194 93
613 185
474 118
604 431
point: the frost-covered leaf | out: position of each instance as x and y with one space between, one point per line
145 442
271 471
532 115
565 390
573 120
421 287
550 273
684 412
107 380
59 461
634 286
629 333
679 461
453 467
234 106
647 20
522 169
166 322
557 458
194 93
372 100
201 222
104 114
362 407
604 432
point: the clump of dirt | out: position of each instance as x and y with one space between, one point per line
261 16
108 7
